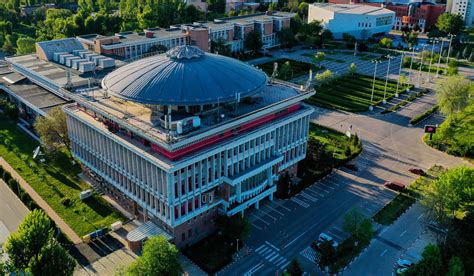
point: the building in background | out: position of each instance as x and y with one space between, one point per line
232 30
361 21
408 13
465 8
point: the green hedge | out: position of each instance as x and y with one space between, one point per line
418 118
411 98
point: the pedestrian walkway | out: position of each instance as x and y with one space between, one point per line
272 254
42 204
310 254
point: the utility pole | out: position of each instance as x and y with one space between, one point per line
420 66
411 63
431 58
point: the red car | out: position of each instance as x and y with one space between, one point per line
417 171
394 185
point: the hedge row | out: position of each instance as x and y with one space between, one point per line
411 98
420 117
17 189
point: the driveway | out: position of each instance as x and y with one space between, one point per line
12 212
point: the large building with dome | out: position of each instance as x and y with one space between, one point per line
176 139
188 135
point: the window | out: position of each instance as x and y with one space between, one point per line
190 233
183 236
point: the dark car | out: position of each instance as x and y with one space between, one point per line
417 171
395 185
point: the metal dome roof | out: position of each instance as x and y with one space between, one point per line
186 75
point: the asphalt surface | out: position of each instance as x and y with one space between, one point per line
284 229
12 212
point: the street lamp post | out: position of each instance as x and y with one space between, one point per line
431 59
449 47
371 107
399 75
389 57
411 63
355 48
420 66
439 59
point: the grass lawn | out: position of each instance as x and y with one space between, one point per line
335 144
212 253
298 68
395 208
335 60
347 253
425 67
352 93
55 181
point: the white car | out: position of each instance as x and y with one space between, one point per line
323 237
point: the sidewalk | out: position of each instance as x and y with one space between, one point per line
43 204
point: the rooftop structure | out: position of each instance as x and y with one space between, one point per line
361 21
214 79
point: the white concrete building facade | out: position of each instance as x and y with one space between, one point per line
361 21
465 8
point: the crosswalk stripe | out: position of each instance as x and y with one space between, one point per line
281 261
260 248
313 199
285 265
272 258
300 202
273 253
310 254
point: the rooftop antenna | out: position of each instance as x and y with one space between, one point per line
68 79
275 72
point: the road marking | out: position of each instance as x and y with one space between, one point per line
307 196
260 248
319 188
383 253
326 185
274 247
258 227
259 218
273 253
268 206
271 259
420 216
403 233
300 202
265 250
310 254
295 239
317 192
281 205
285 265
335 235
253 269
266 214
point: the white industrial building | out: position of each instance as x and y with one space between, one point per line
361 21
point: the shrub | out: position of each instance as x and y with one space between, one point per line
6 176
2 170
66 201
418 118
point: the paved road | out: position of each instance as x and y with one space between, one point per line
389 244
12 212
285 229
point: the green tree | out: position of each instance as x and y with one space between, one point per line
319 57
33 249
52 130
450 23
451 194
324 77
236 227
159 257
386 42
285 71
431 262
287 37
455 267
217 6
25 45
328 254
294 268
454 94
352 69
253 42
303 9
359 226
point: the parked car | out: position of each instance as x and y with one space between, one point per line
395 185
323 237
403 263
417 171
